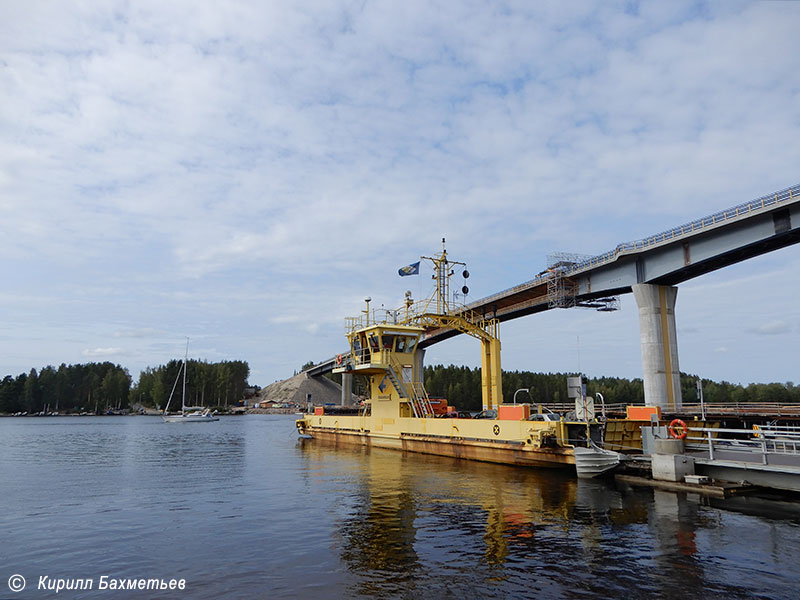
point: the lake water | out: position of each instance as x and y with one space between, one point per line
243 509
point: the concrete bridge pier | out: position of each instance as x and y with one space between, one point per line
661 374
419 365
347 388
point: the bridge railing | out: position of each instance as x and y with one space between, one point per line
715 219
789 194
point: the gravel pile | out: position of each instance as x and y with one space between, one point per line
294 389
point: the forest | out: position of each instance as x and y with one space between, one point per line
207 384
92 387
462 388
99 387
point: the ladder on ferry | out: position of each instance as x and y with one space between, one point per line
415 392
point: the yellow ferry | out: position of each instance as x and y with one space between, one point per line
384 351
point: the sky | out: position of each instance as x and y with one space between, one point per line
245 173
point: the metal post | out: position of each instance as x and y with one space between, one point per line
700 396
710 446
602 404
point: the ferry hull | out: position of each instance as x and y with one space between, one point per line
516 452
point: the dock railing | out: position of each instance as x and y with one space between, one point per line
729 409
754 444
778 409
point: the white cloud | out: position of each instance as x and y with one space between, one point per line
145 332
774 328
103 352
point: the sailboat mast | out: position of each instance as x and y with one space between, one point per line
185 360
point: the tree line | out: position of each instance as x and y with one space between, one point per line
98 387
207 384
92 387
461 386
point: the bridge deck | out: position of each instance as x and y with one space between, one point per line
667 258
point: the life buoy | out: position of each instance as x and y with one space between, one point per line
677 423
338 359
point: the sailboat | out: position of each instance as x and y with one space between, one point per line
188 414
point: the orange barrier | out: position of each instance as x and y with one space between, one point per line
514 412
642 413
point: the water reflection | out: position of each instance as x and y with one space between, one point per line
426 525
378 539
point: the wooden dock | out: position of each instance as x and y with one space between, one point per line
717 489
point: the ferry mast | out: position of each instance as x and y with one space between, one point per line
440 311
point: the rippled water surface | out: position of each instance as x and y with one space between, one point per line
243 509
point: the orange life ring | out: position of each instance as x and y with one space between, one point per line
672 429
338 359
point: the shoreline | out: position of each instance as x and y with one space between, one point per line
158 413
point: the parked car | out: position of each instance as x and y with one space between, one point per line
545 417
486 414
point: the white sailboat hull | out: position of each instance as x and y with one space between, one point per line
190 418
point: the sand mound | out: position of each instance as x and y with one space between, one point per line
294 389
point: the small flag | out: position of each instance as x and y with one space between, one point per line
412 269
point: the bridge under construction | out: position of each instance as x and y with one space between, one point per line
650 268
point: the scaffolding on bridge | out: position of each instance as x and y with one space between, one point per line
562 291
